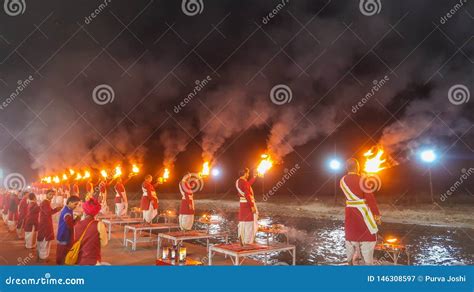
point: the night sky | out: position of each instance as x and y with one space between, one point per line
94 83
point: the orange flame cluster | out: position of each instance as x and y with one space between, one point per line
374 161
206 170
265 164
78 175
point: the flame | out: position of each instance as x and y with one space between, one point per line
265 164
166 174
374 162
135 169
87 174
78 176
64 177
56 179
391 240
104 174
71 171
118 172
205 169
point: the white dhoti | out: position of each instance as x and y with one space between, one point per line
121 209
20 233
186 222
30 238
363 249
247 230
5 218
11 225
43 248
149 214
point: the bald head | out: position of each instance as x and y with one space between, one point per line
352 165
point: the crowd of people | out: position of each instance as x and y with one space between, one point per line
30 215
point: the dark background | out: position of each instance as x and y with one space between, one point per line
327 52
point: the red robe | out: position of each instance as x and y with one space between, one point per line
6 203
119 190
187 200
247 199
149 195
31 218
75 190
89 187
90 252
355 226
22 209
45 225
13 208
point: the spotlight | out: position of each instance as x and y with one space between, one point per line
335 164
215 172
428 156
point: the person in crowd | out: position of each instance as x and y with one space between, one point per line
248 212
31 221
45 226
93 234
361 217
65 234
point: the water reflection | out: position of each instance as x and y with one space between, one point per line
321 242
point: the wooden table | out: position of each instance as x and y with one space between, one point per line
238 253
169 262
144 227
394 251
180 236
119 221
273 232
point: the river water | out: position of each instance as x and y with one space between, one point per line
321 242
